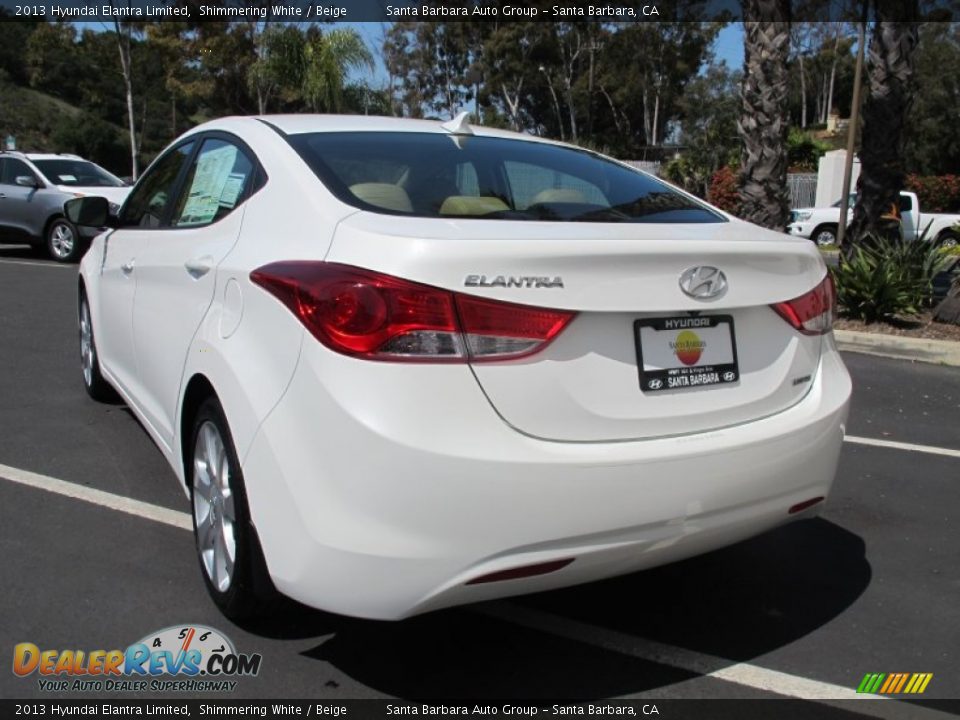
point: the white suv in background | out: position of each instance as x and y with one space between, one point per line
33 188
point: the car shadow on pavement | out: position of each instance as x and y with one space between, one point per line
737 603
21 252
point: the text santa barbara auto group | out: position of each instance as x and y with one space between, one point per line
519 11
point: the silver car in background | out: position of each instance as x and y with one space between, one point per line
33 188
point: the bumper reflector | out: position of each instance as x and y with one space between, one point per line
522 571
799 507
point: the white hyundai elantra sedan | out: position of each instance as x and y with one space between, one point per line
400 365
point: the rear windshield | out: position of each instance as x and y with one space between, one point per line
76 172
433 175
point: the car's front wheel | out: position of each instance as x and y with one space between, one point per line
230 556
63 240
825 235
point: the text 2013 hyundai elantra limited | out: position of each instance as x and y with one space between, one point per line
400 365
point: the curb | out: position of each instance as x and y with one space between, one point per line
940 352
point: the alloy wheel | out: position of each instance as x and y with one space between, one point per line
214 510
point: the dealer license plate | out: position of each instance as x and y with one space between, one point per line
677 353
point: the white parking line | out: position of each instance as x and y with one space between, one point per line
124 504
702 664
911 447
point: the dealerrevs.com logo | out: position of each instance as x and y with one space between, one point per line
182 658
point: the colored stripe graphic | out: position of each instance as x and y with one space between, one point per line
894 683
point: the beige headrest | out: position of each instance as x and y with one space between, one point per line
558 195
384 195
472 205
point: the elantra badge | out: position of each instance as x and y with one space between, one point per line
703 282
513 281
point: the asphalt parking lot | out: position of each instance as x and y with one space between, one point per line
804 611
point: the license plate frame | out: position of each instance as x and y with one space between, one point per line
679 376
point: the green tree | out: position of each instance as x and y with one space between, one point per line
279 65
932 143
51 58
328 59
709 109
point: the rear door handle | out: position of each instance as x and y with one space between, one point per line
2 196
127 267
198 267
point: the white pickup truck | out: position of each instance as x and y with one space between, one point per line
820 224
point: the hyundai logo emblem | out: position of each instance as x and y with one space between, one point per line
703 282
655 384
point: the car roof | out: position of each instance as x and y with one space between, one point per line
314 123
51 156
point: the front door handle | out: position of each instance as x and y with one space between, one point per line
2 196
198 267
127 267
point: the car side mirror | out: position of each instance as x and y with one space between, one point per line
89 212
26 181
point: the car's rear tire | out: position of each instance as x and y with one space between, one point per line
93 382
824 235
948 239
63 241
228 549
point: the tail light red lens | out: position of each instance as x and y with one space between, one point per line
814 312
379 317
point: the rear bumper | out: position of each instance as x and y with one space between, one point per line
386 504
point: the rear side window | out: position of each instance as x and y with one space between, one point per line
149 200
217 181
906 203
439 175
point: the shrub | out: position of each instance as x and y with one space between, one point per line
936 193
887 278
804 151
724 190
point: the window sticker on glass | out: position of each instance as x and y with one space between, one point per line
232 189
67 178
207 188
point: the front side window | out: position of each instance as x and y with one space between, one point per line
79 173
148 201
11 169
439 175
217 181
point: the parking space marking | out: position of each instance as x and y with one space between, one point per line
895 445
36 264
705 665
91 495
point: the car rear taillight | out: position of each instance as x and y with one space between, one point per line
814 312
379 317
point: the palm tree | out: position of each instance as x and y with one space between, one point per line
328 58
764 120
889 94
